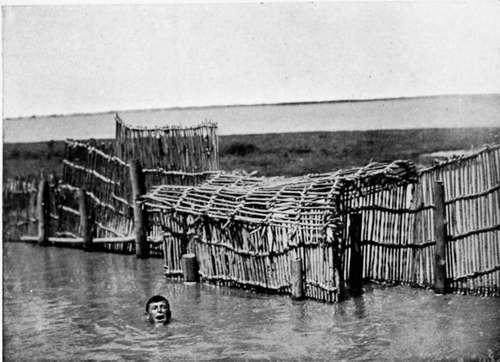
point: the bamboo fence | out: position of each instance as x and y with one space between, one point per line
191 149
107 184
19 207
398 229
20 204
472 199
246 231
106 180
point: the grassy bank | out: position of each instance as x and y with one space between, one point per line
288 153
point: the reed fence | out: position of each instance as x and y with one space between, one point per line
187 149
106 181
19 207
398 238
472 201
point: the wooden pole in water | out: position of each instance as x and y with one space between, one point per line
139 189
189 268
356 266
440 237
32 213
85 225
297 279
43 212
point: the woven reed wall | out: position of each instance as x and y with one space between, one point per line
398 229
106 179
19 207
175 235
242 255
472 199
394 247
194 149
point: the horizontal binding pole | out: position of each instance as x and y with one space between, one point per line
475 275
70 210
473 195
52 239
29 238
474 232
397 245
90 171
114 240
56 240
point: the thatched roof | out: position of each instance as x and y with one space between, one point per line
277 200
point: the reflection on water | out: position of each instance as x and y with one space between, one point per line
67 304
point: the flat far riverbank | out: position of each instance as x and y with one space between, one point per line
289 154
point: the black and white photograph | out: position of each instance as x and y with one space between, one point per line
239 181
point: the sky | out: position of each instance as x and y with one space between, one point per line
72 59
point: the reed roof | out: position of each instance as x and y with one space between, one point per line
277 200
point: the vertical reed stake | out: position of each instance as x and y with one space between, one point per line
43 211
85 225
356 265
189 268
440 237
138 189
297 279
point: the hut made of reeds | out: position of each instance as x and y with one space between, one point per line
245 231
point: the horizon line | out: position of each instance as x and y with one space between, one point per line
289 132
295 103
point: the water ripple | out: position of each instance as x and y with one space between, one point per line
65 304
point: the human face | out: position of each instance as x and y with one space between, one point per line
158 312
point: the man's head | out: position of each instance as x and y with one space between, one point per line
158 310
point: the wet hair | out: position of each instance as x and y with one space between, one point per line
156 299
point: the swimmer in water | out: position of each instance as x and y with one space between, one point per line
158 310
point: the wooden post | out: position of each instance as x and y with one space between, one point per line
297 279
440 237
138 189
85 225
43 212
356 265
32 213
189 268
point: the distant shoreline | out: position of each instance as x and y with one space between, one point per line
298 103
294 133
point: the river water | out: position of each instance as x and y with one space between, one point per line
65 304
431 112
